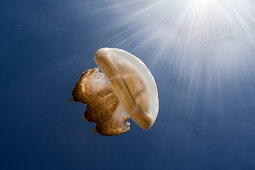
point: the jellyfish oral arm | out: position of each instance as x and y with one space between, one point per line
103 107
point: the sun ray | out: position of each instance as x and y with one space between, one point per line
187 36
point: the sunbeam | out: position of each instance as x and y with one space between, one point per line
187 31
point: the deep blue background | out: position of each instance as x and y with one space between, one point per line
46 45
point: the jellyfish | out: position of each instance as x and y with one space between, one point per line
124 89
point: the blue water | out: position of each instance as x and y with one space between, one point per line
205 80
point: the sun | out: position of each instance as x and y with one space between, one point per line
202 6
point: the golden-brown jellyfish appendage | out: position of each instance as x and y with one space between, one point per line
103 106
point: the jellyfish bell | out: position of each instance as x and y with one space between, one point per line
125 89
132 82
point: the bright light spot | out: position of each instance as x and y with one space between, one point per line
202 4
